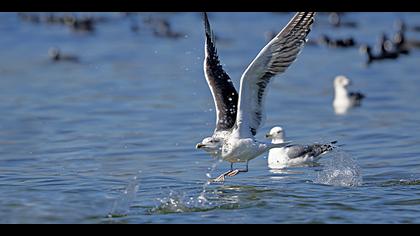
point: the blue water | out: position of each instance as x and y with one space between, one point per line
112 139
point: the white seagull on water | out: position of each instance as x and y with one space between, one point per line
343 99
240 117
294 154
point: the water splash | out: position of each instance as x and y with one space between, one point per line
183 202
340 170
172 204
226 198
179 203
122 204
202 197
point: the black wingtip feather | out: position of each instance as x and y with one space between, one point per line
206 24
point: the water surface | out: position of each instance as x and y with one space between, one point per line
111 139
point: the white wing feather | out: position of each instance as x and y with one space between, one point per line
272 60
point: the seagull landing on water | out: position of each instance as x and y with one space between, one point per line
343 99
294 155
240 117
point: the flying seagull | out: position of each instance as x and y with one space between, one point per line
224 95
240 117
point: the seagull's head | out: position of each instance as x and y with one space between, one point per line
210 144
276 133
341 81
334 19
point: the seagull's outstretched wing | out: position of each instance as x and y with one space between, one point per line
314 150
224 93
273 59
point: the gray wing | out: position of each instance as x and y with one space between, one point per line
314 150
273 59
224 93
356 97
295 151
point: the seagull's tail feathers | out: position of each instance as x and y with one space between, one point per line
324 148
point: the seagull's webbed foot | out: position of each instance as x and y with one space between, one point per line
233 173
230 173
221 177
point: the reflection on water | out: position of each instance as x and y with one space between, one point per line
285 173
342 110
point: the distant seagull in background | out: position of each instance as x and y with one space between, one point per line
56 56
400 39
335 20
343 99
84 24
337 43
162 28
237 142
366 49
294 154
385 44
400 43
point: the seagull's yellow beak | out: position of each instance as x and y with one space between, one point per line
268 135
199 145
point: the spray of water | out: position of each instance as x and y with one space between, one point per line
122 204
202 197
340 170
178 202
